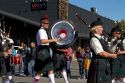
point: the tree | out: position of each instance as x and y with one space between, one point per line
122 24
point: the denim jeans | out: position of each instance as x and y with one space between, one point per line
81 68
86 73
68 68
31 67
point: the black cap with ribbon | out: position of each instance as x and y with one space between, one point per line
96 23
116 29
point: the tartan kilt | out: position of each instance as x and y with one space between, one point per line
118 67
59 63
98 72
43 61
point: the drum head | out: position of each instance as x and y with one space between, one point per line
64 31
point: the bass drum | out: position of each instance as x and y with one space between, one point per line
65 31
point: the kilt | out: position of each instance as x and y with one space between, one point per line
43 61
118 67
3 70
59 63
99 71
5 66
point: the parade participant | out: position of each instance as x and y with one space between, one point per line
0 36
99 71
59 62
118 64
43 61
5 65
0 39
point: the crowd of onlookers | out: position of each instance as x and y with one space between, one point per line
83 56
23 60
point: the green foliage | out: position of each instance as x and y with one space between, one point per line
122 24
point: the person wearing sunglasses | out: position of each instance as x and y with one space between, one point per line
43 62
118 64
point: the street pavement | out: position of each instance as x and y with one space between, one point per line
74 77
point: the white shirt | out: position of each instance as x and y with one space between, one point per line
41 34
123 44
114 46
95 44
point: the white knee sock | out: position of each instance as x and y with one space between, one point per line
51 78
5 81
36 79
65 76
123 80
118 81
113 80
10 77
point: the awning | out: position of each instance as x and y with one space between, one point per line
19 18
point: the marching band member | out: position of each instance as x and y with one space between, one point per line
43 60
6 65
59 62
118 64
99 71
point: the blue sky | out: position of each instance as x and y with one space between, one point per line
113 9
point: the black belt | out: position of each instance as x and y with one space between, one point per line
43 47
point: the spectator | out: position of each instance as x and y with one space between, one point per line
23 66
80 59
68 60
32 56
87 61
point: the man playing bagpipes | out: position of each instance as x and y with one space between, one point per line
118 64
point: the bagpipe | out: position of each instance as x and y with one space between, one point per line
5 40
113 44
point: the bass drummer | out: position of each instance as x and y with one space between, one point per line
43 60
